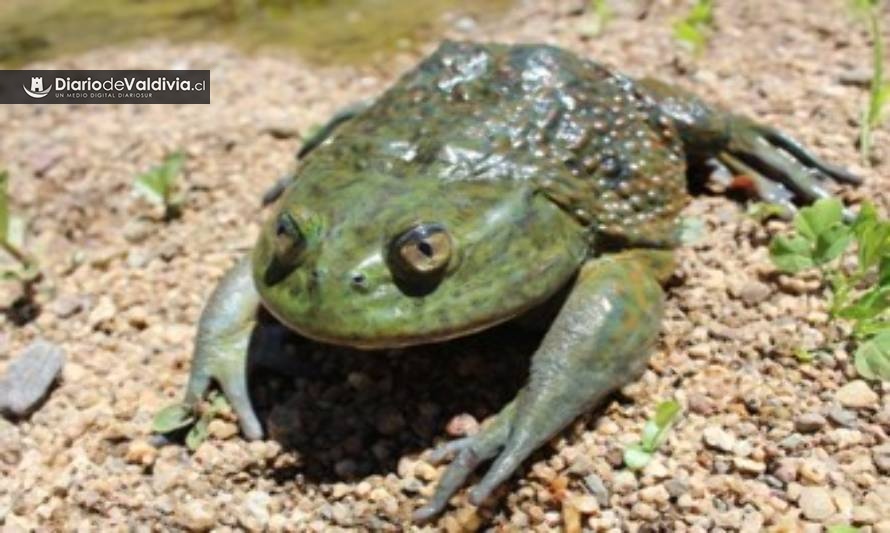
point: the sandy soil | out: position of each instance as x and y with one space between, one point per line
765 440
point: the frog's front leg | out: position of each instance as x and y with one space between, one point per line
221 347
600 340
780 169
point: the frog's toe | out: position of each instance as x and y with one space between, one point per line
468 453
775 161
235 390
232 379
761 186
808 158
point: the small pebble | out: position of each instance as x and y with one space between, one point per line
842 417
585 503
141 452
749 466
715 437
597 488
462 425
222 429
29 377
857 395
816 503
195 515
809 423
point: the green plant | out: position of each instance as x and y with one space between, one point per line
160 185
879 89
842 528
598 16
177 417
12 237
637 456
861 294
695 28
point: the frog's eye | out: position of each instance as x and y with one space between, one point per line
289 240
288 243
422 252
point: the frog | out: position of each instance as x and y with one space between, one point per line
484 183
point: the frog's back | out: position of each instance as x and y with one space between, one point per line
529 115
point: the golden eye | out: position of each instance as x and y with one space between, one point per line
421 254
427 253
289 240
287 244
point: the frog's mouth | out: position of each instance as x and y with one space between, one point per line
387 340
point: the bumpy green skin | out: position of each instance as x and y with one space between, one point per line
527 155
548 172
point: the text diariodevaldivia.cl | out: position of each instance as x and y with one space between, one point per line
128 84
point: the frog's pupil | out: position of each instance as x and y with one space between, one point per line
425 248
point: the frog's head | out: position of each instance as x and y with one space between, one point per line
378 265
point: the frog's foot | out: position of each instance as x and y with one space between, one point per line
466 453
599 341
221 348
780 169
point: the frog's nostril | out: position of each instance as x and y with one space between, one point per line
359 280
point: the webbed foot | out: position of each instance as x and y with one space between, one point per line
781 170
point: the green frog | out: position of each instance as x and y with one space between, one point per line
484 182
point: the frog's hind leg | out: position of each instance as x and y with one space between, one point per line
312 142
221 347
600 340
779 168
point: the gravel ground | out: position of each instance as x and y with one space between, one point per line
765 441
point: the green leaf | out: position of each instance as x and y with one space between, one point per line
841 528
218 404
869 305
655 430
761 211
649 436
791 253
636 458
686 32
803 355
198 433
158 184
831 243
171 418
4 205
868 214
869 327
872 358
817 219
874 243
884 271
595 22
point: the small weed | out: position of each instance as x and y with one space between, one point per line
177 417
159 185
842 528
638 455
12 237
597 17
694 30
879 89
861 295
